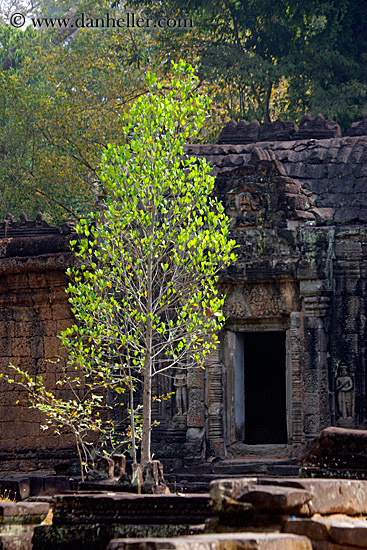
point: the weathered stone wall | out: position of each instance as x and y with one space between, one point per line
302 277
301 270
33 310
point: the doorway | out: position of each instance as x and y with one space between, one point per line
264 364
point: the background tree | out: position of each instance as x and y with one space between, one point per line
272 58
61 103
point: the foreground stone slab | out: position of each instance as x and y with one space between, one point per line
231 541
339 529
326 545
23 513
337 448
312 528
21 541
127 508
94 536
329 496
274 498
351 531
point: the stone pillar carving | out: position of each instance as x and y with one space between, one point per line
214 405
316 308
294 381
196 413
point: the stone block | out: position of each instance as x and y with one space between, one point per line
349 531
329 496
358 128
23 513
20 347
115 508
18 281
54 485
219 541
51 346
222 488
340 529
61 311
274 498
37 280
243 132
277 131
317 128
20 540
43 312
17 487
337 448
309 527
37 347
327 545
56 279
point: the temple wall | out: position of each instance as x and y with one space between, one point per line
33 310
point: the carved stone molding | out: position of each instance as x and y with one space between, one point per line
215 402
317 306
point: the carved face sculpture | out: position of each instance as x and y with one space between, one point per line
343 370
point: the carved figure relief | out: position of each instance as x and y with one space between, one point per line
260 300
180 384
345 393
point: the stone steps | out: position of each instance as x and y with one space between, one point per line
198 478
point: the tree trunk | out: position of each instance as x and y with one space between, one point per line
147 385
132 416
147 411
267 117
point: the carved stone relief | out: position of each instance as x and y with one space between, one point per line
345 396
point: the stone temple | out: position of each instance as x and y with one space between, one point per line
292 358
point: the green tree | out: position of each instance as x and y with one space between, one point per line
144 287
145 290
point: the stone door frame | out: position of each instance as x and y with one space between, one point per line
232 353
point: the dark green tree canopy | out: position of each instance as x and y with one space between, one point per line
314 52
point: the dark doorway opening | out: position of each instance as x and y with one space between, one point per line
265 388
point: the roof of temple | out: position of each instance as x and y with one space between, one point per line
334 170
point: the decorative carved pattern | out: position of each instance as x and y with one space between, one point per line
215 403
317 306
295 350
195 414
260 300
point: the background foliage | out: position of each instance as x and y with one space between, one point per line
62 96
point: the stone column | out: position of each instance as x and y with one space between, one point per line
214 405
316 306
195 435
294 382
